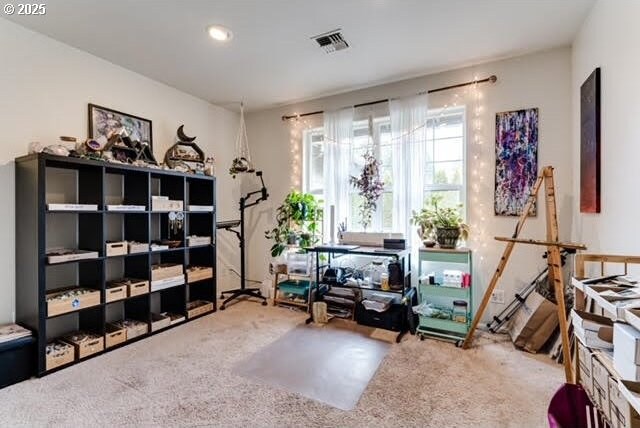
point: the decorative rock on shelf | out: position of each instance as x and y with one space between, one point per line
185 153
123 149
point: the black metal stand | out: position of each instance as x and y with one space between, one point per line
519 298
229 225
408 293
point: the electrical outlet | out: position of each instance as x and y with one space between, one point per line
498 297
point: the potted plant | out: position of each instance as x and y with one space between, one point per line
297 221
443 223
426 230
370 187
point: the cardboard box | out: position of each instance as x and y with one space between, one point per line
115 291
175 318
198 273
162 204
118 248
69 299
632 317
589 321
162 284
198 307
114 335
85 344
62 255
137 287
166 270
533 323
584 367
627 338
194 241
138 247
623 415
613 300
626 351
159 321
62 354
600 376
133 327
594 331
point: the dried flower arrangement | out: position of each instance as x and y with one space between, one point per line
370 187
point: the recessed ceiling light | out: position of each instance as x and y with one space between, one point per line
220 33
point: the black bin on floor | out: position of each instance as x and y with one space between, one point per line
17 360
392 319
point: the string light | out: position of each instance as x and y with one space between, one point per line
479 167
295 143
480 187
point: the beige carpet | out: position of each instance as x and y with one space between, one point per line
184 377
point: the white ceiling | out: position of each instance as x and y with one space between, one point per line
272 60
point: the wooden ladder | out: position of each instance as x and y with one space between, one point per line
554 262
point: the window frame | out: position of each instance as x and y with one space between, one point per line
462 187
433 114
307 141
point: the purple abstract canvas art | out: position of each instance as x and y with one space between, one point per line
516 160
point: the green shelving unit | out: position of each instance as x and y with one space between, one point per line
436 260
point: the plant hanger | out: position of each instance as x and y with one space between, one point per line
371 140
242 161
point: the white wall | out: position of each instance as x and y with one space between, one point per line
44 90
609 39
540 80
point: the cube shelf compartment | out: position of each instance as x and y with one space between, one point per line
43 179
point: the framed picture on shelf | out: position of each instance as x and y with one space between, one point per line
103 121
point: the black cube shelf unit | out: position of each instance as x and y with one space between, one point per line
41 179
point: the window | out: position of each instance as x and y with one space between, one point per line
445 168
313 155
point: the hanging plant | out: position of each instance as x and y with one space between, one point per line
370 187
241 163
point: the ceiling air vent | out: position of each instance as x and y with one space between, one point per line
331 41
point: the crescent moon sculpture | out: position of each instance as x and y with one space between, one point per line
183 137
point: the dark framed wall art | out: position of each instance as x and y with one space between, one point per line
590 144
103 120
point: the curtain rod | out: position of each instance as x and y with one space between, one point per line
492 79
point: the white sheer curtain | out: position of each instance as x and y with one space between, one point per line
408 132
338 136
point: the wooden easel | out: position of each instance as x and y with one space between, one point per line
553 260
